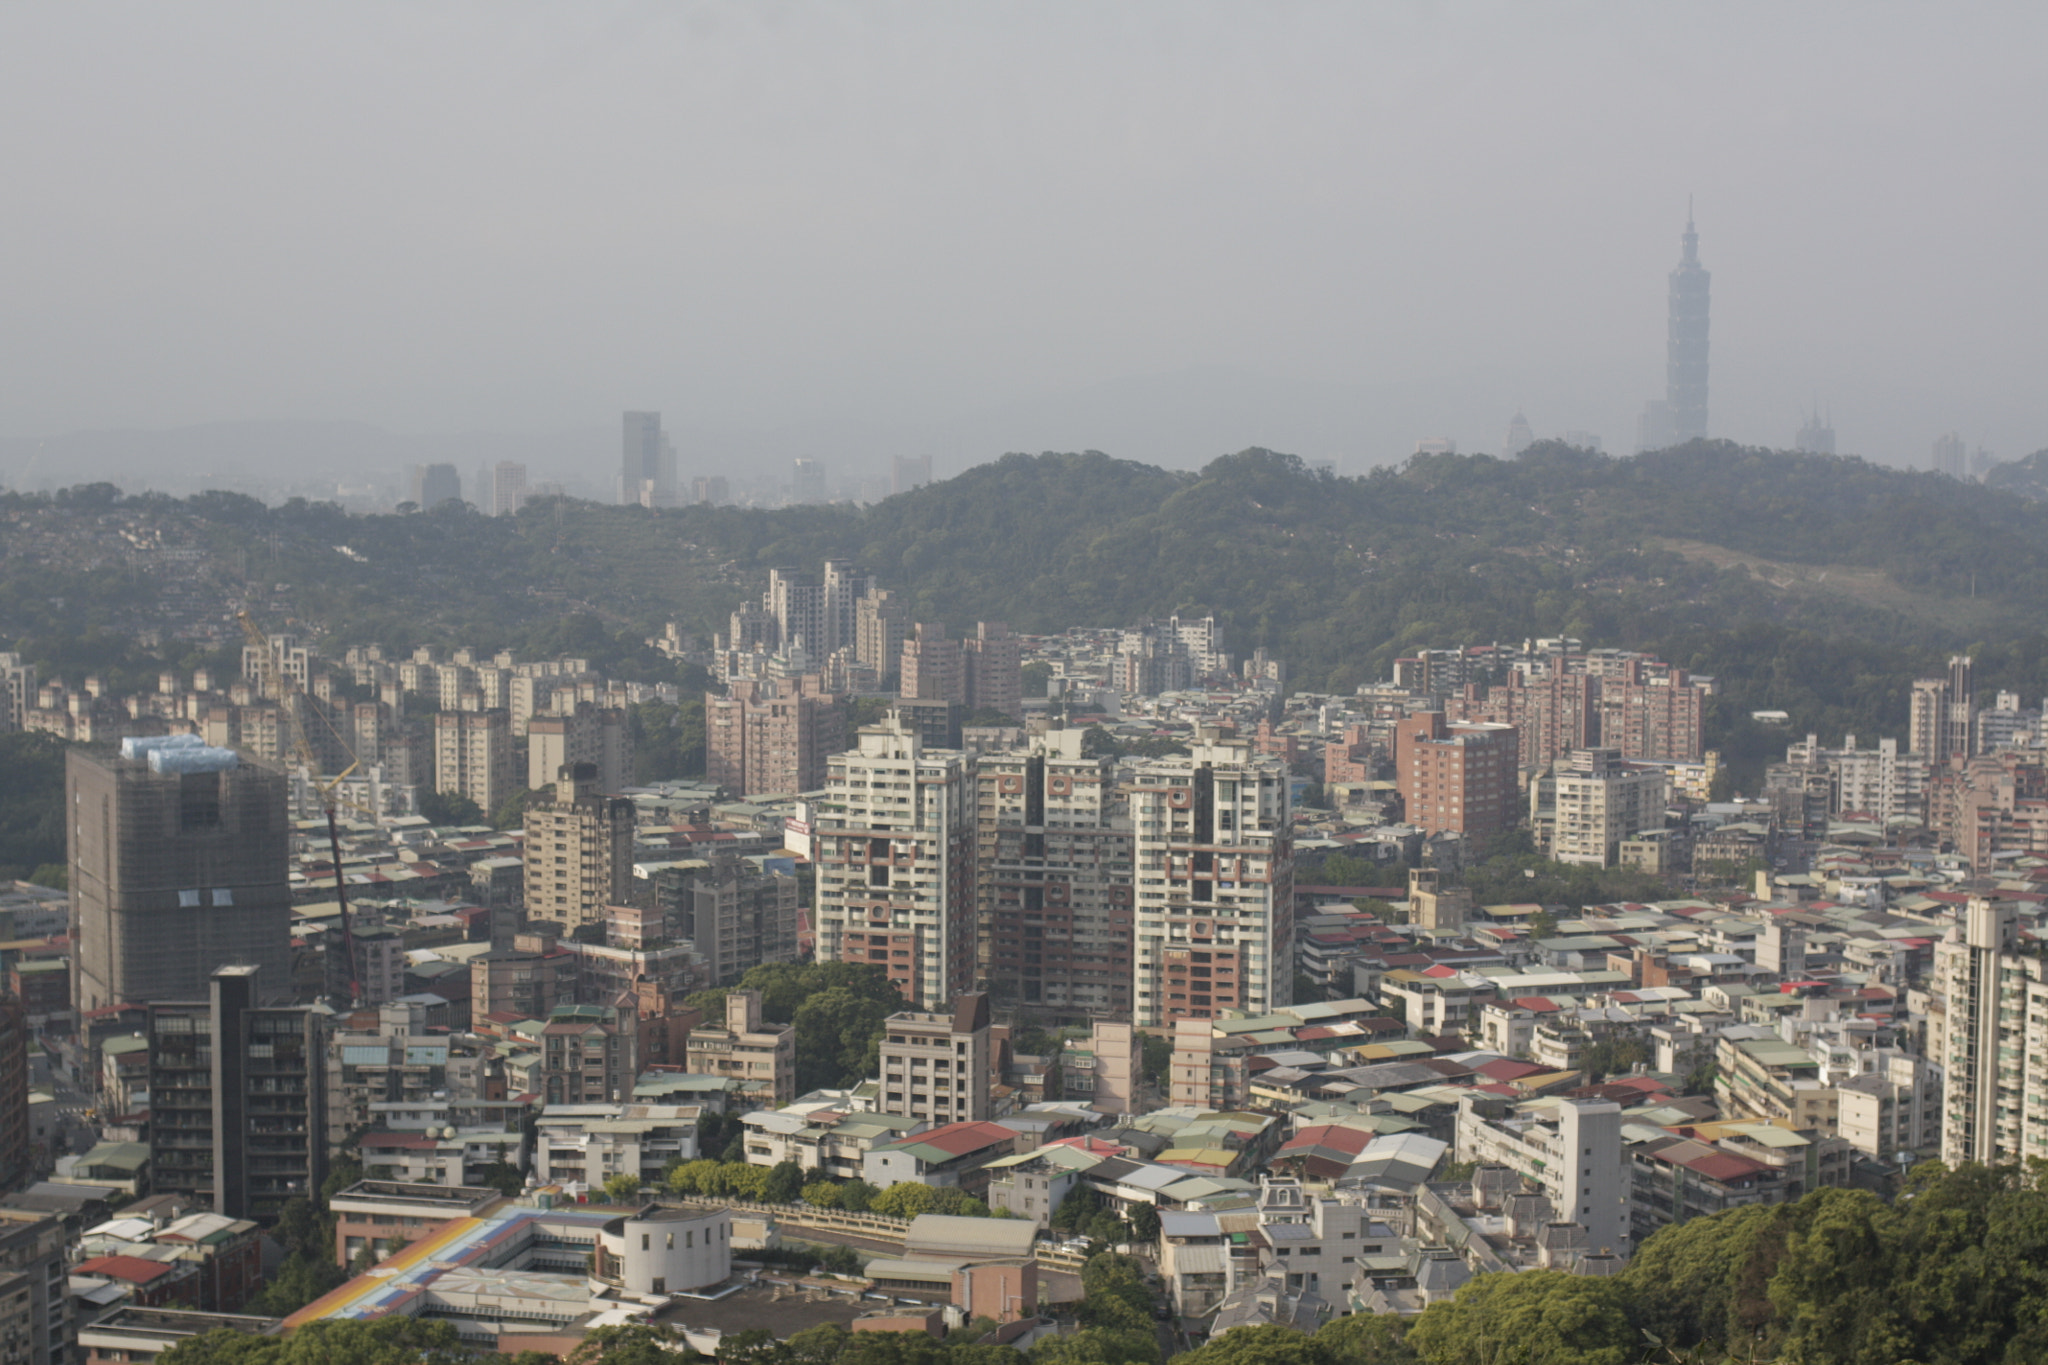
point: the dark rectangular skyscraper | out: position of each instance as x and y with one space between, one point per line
179 866
647 463
237 1112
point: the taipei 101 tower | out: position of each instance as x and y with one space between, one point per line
1685 350
1681 415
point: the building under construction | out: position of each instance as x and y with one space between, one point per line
179 858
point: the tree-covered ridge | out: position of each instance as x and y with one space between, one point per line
1670 552
2028 476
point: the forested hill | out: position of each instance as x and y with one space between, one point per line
1814 584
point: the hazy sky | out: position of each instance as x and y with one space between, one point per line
1165 230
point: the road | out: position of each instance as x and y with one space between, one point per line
74 1133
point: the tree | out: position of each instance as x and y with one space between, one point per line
394 1340
1097 1346
694 1177
1261 1344
502 1176
621 1188
822 1194
1366 1339
1074 1211
450 808
633 1343
1158 1058
905 1199
1145 1222
857 1196
1537 1317
785 1180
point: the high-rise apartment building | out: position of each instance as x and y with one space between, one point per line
1943 719
1991 1038
14 1144
993 660
740 917
814 613
579 850
1591 801
17 691
806 482
772 735
179 864
1951 456
880 624
601 736
1214 870
1054 872
647 462
1457 777
590 1053
507 491
473 756
40 1318
895 840
237 1099
935 1065
933 668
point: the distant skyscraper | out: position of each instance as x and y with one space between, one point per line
911 471
1681 414
807 482
647 463
434 484
1816 437
1520 437
1952 457
1685 352
507 489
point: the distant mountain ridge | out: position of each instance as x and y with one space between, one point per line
2027 477
1817 585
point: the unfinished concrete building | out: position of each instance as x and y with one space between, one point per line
179 866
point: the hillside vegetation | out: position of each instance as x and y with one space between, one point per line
1817 585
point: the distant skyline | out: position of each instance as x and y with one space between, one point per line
1165 231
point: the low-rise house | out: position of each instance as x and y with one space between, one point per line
829 1140
589 1142
956 1155
371 1214
135 1335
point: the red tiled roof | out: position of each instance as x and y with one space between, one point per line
1716 1165
1506 1069
133 1269
1541 1004
1343 1139
957 1138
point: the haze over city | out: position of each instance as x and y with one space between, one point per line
1162 231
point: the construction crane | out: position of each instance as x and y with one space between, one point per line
290 697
